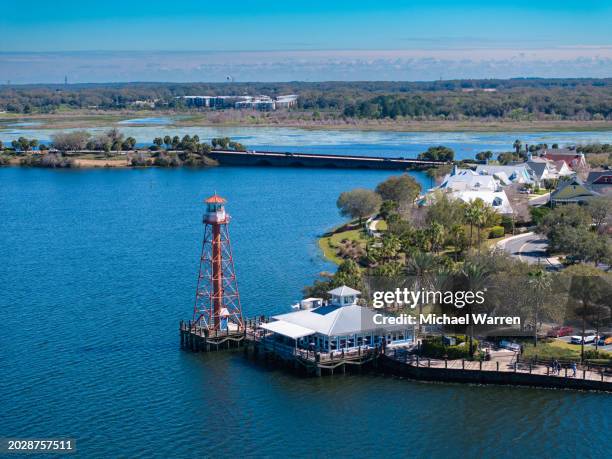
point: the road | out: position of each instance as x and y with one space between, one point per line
529 248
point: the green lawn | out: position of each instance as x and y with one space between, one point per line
329 243
556 349
382 225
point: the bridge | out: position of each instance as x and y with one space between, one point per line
288 159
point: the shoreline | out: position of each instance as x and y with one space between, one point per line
89 120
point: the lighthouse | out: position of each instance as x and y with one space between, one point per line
217 300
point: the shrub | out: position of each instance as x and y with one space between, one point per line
507 223
496 231
435 348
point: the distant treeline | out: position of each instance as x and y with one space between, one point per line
520 99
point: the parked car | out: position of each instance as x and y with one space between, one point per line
588 339
605 340
557 332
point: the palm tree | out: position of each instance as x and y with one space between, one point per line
487 217
435 234
540 283
473 215
420 265
475 275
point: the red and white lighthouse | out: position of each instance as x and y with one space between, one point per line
217 302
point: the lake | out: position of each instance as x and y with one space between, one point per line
381 143
98 266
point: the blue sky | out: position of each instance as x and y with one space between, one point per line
314 31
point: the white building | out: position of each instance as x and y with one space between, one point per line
516 173
341 325
496 199
467 185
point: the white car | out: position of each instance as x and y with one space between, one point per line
578 339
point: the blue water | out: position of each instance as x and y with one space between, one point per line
98 266
380 143
160 120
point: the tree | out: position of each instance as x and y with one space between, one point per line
167 141
439 153
436 236
484 155
475 274
358 203
421 265
473 215
436 174
158 141
23 144
70 141
507 158
128 143
540 284
401 189
487 217
600 210
589 295
446 210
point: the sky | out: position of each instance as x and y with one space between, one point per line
314 40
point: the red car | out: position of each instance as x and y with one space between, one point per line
556 332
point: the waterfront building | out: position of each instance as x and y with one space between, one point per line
342 325
468 185
467 179
261 102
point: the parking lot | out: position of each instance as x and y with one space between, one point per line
586 346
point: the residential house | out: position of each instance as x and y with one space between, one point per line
468 185
600 181
516 173
573 191
572 158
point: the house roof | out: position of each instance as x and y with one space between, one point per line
215 199
515 172
596 175
335 320
496 199
344 291
469 181
539 168
574 190
287 329
561 152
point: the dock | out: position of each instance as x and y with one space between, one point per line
316 160
397 361
257 343
518 372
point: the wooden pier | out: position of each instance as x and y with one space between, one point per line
257 343
531 373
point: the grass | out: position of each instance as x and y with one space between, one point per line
556 349
330 242
381 225
67 117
